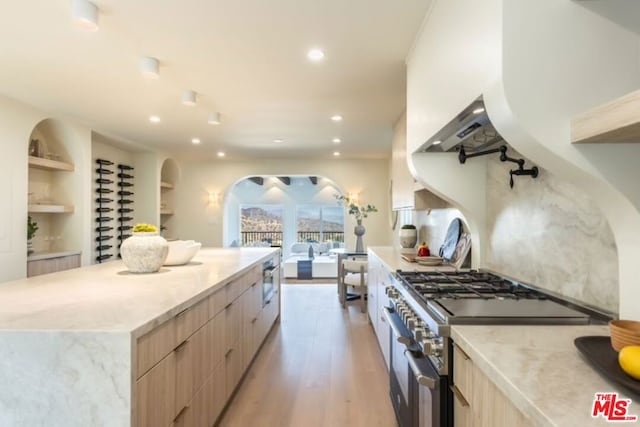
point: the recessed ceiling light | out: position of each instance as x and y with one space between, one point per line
336 153
214 118
336 118
278 140
154 119
195 140
336 140
150 67
189 98
315 55
220 153
85 15
478 110
438 142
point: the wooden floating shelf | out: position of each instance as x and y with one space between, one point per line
50 165
613 122
50 209
166 211
166 185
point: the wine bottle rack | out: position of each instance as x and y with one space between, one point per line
104 207
125 202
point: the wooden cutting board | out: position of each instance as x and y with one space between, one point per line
409 257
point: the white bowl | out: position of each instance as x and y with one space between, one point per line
181 251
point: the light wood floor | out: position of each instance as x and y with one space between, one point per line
320 366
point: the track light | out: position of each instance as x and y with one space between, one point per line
189 98
85 15
150 67
214 118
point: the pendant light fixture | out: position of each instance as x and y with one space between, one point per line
150 67
85 15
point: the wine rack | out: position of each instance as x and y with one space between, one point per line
104 207
125 202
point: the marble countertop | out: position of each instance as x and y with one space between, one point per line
107 298
540 370
393 260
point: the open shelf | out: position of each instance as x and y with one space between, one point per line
615 121
50 209
50 165
166 185
166 212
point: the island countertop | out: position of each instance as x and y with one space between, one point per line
107 298
539 369
392 259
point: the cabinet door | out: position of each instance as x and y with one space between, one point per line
372 292
156 394
233 368
217 336
233 323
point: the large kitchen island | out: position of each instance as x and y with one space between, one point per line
99 346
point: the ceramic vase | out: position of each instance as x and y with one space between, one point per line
359 230
408 237
144 252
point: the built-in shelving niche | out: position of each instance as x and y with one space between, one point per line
169 177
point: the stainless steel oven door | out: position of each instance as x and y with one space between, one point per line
270 278
431 392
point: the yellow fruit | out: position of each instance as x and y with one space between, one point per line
629 360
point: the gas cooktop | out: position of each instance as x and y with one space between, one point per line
482 298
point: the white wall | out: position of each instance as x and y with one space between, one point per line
16 123
196 219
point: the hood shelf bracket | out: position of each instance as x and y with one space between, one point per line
521 171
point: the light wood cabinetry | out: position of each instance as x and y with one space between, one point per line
477 400
615 121
189 366
52 265
379 279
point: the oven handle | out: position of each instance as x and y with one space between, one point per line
394 328
422 379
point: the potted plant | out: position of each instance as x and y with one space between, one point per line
32 227
359 212
408 236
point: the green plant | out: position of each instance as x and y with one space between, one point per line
32 227
358 211
145 228
408 227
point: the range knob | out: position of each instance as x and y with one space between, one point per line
391 292
420 334
434 346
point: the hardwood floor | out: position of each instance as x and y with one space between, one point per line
320 366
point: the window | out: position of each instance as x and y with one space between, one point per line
261 224
320 223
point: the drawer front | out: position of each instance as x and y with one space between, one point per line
191 319
216 329
217 301
233 323
155 345
234 289
155 394
233 368
462 372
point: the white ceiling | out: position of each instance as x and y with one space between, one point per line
247 59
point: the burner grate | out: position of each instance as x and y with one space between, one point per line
466 285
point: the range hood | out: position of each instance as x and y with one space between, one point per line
470 129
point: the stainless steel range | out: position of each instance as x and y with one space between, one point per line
425 304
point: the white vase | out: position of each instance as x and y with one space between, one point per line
408 237
144 252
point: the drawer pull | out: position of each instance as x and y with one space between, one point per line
183 312
458 394
254 284
228 353
254 320
465 355
228 305
182 411
181 347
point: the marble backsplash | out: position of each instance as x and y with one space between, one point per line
547 232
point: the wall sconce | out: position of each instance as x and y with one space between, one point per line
353 197
214 199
